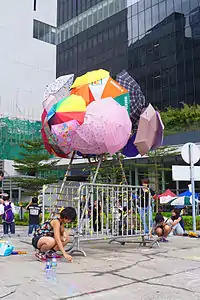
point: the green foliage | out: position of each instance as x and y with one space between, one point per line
181 119
34 162
110 171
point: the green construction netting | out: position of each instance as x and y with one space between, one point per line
14 131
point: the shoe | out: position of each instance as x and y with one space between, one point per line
164 240
40 256
52 253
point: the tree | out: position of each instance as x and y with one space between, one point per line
35 166
181 119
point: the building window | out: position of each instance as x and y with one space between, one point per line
44 32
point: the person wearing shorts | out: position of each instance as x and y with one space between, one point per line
51 236
160 228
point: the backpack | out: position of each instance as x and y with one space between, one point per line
8 215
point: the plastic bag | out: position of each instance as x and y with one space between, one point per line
6 248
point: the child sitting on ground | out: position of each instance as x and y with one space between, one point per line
51 237
160 228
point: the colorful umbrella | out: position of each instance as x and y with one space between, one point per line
137 100
64 133
57 90
147 128
90 77
50 142
166 197
102 88
60 87
106 128
159 133
130 149
70 108
181 200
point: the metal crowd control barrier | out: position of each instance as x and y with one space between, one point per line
113 212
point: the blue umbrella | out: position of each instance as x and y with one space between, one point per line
130 149
188 194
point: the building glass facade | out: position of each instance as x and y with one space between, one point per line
157 41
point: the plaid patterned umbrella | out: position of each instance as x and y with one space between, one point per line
137 99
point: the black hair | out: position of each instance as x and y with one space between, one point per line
6 197
159 218
1 173
177 212
35 200
68 213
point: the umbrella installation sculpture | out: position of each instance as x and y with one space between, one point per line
90 116
96 115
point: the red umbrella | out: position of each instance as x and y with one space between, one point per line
167 196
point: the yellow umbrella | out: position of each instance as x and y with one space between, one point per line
71 103
90 77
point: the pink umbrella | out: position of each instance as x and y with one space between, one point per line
159 132
64 134
147 128
106 128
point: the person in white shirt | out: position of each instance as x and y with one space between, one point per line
7 211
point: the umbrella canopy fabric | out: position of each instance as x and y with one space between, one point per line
166 197
60 87
70 108
181 200
64 133
159 133
130 149
147 129
102 89
57 90
184 198
137 100
50 142
90 77
106 128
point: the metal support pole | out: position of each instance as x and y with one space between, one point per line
97 169
66 175
193 187
177 188
20 195
122 169
163 180
136 177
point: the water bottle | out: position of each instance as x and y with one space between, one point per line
48 269
54 266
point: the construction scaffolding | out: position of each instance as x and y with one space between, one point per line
13 132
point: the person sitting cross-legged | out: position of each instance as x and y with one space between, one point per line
160 228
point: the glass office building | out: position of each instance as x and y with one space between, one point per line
157 41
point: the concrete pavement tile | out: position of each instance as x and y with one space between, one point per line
141 292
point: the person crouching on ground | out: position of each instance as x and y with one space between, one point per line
51 237
160 228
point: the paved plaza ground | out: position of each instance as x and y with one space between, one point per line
108 272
